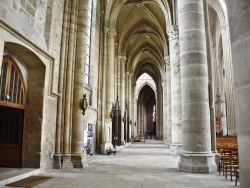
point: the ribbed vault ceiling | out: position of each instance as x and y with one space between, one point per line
141 35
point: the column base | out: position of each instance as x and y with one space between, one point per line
175 149
66 161
123 142
104 146
197 163
78 160
57 161
217 159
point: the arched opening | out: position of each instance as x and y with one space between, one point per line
12 105
146 107
22 108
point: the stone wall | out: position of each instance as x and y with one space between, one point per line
37 27
27 17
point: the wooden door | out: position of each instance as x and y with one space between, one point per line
12 105
11 126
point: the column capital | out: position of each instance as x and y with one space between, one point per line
173 32
111 33
128 74
122 59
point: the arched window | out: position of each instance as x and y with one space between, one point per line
12 89
88 41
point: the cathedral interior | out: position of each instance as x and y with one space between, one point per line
83 77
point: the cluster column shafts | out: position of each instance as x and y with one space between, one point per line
69 77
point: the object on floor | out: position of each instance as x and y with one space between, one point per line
29 181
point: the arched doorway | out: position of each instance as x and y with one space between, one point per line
12 105
146 106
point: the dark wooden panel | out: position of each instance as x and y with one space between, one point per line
11 124
9 155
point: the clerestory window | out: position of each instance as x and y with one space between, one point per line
88 41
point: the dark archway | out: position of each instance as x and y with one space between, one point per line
145 105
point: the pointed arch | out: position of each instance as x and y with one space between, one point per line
12 87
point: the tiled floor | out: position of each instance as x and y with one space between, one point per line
136 166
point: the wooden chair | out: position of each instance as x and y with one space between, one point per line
232 163
237 175
224 159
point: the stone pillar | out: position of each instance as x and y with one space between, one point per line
130 101
77 156
139 124
132 108
168 101
135 123
197 156
210 67
159 126
229 82
165 117
239 23
109 60
122 60
110 82
176 107
223 112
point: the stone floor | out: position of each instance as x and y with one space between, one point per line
140 165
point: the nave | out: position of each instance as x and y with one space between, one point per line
138 165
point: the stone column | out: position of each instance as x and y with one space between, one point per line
197 156
229 82
77 156
211 82
239 23
168 101
135 123
139 124
109 96
159 126
132 108
110 82
122 60
130 101
176 107
165 117
223 112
